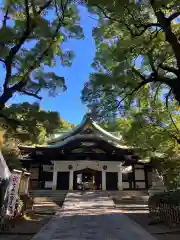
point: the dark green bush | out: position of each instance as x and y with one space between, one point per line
170 197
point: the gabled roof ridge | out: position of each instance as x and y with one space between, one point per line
104 131
72 132
87 119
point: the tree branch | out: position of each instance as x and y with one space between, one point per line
173 16
133 34
44 6
170 134
20 85
55 2
170 36
150 56
8 92
6 15
167 106
143 78
15 49
32 94
2 60
142 83
156 92
154 124
169 69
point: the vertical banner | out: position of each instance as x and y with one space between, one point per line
13 192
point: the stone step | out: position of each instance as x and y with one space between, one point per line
47 192
44 197
130 195
47 201
130 201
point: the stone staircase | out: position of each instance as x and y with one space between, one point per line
131 201
133 195
47 201
50 201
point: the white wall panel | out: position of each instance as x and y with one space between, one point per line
125 184
139 174
140 185
48 184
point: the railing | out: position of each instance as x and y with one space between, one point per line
169 214
165 207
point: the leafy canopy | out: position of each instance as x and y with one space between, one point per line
32 34
137 54
35 124
154 136
137 72
137 67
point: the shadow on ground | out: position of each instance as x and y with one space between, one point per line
140 214
92 224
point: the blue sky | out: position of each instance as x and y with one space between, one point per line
68 104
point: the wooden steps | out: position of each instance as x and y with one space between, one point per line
47 201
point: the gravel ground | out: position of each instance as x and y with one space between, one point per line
26 228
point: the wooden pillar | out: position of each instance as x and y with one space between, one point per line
71 178
103 180
146 176
54 183
120 186
133 176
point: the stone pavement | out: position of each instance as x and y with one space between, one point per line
92 216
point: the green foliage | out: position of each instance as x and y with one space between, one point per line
36 124
32 35
169 168
137 70
171 197
137 54
154 137
11 154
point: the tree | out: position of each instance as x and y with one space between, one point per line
35 124
32 34
35 127
11 154
138 54
149 130
153 135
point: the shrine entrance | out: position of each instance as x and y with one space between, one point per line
87 179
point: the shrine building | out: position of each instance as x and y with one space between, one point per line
88 154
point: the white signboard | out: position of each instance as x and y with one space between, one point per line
13 192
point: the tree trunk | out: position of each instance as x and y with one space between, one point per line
175 86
